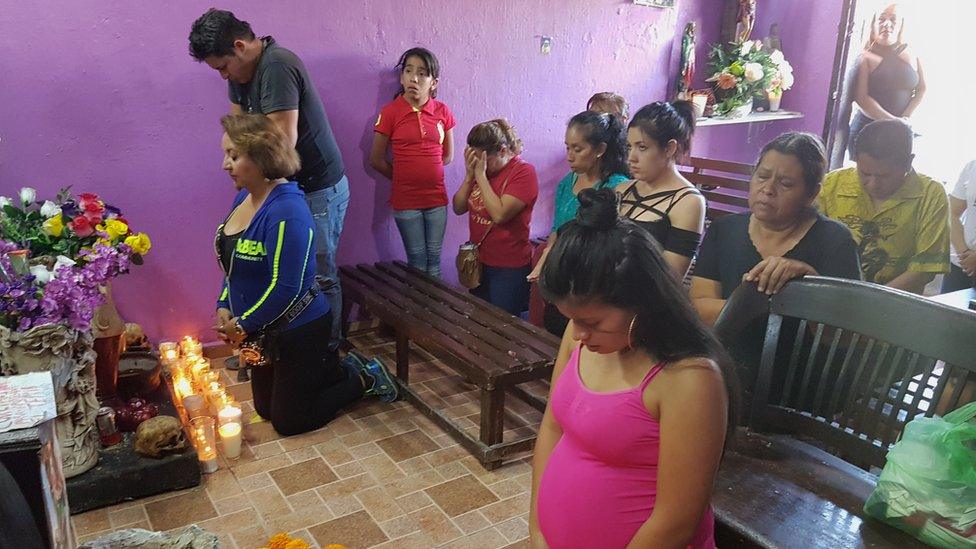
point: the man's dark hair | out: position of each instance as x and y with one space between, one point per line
214 33
886 140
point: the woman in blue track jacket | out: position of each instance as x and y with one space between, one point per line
266 248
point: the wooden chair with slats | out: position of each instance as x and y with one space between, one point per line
845 365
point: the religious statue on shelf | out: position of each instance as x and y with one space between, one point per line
745 21
773 42
687 73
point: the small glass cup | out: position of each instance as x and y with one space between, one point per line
205 441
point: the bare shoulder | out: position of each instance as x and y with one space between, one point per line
692 373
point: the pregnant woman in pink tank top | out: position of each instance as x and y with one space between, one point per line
640 404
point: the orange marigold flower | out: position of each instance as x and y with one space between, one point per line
279 541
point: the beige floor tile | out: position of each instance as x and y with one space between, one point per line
346 487
303 454
334 453
269 501
365 450
461 495
343 505
413 483
471 522
177 511
124 517
446 455
91 522
252 537
350 469
240 392
246 469
221 485
507 509
399 527
485 539
414 465
414 501
234 522
232 504
407 445
514 530
354 531
303 476
508 488
267 449
435 524
300 518
379 504
416 540
253 482
452 470
382 467
521 544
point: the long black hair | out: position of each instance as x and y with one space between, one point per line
663 121
605 128
604 257
429 59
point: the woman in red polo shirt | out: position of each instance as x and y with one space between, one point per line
418 129
498 192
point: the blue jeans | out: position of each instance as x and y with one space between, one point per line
505 287
422 232
329 213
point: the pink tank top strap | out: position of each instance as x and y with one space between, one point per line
655 370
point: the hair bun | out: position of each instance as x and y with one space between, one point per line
598 209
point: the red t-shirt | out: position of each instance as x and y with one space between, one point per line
507 245
416 138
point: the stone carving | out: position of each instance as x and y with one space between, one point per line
69 356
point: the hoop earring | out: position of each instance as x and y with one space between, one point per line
630 333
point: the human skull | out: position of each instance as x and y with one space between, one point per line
159 436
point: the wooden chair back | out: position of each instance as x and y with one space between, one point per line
849 363
724 184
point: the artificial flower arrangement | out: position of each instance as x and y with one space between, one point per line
743 71
55 256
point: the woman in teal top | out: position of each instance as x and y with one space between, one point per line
597 155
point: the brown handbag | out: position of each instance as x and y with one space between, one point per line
468 263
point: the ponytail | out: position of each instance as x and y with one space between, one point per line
663 121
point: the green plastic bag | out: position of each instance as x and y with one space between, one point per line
928 485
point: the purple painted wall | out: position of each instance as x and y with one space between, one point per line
102 95
809 33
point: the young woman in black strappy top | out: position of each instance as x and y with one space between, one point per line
659 199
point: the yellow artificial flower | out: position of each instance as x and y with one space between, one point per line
296 544
139 243
54 226
114 228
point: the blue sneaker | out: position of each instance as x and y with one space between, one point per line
354 364
383 385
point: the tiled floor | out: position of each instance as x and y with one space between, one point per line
381 475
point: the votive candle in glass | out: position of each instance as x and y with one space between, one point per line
169 352
195 406
205 441
229 414
230 437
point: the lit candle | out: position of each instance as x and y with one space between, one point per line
190 345
195 406
182 386
230 437
205 442
169 352
199 369
229 414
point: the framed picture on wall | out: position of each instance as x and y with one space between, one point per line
656 3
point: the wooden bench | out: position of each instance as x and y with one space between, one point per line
493 349
724 184
861 361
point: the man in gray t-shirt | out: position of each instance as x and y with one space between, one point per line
264 78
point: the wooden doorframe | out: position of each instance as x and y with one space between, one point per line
845 30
